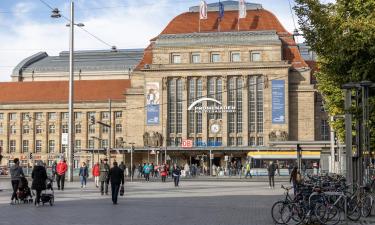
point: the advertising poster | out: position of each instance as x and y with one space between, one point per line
152 103
278 102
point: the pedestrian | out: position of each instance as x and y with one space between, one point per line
146 172
16 173
295 178
122 166
290 168
140 170
163 173
103 177
53 169
152 170
83 174
176 173
39 176
116 177
132 171
248 169
271 174
61 169
96 173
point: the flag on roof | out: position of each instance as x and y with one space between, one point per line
221 10
203 10
242 9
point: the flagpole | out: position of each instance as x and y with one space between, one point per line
199 29
238 27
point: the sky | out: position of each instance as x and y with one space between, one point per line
27 28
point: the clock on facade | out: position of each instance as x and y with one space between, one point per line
215 128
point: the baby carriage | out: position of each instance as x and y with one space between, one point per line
48 196
24 192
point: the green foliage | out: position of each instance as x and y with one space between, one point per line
343 36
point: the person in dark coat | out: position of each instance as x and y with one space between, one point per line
39 176
271 174
116 177
176 173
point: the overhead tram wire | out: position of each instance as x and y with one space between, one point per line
85 30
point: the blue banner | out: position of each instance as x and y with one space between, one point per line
278 101
153 114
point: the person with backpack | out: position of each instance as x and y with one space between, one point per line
16 173
96 173
61 169
271 174
83 174
146 172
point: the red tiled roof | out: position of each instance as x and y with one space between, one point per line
58 91
256 20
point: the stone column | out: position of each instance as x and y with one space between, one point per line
245 110
204 115
185 106
224 126
164 111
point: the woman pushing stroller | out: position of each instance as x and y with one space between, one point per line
39 176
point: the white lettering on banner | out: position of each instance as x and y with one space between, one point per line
211 109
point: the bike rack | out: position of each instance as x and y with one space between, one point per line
341 194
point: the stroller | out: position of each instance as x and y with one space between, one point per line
24 192
48 196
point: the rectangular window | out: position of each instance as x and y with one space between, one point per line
255 57
176 58
239 141
65 128
1 116
260 85
118 115
215 57
64 148
232 103
25 129
90 114
12 116
12 146
51 116
38 115
105 115
38 146
25 146
64 116
252 141
77 115
92 128
324 128
118 128
1 129
51 129
105 130
39 129
26 116
51 146
78 128
260 141
235 57
77 145
232 141
252 108
104 144
13 129
90 144
195 58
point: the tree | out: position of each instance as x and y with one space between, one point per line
343 36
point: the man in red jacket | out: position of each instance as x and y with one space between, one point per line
61 169
96 173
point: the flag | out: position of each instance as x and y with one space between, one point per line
242 9
203 10
221 10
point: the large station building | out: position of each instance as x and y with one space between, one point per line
237 89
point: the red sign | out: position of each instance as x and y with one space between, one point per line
187 143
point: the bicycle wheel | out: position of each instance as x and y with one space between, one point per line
353 210
276 212
366 206
327 214
292 214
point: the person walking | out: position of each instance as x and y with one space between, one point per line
103 177
295 178
146 172
83 174
96 173
116 177
132 171
16 173
248 169
176 173
140 171
39 176
163 173
53 169
271 174
61 169
122 166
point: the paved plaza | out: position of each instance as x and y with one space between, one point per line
154 203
